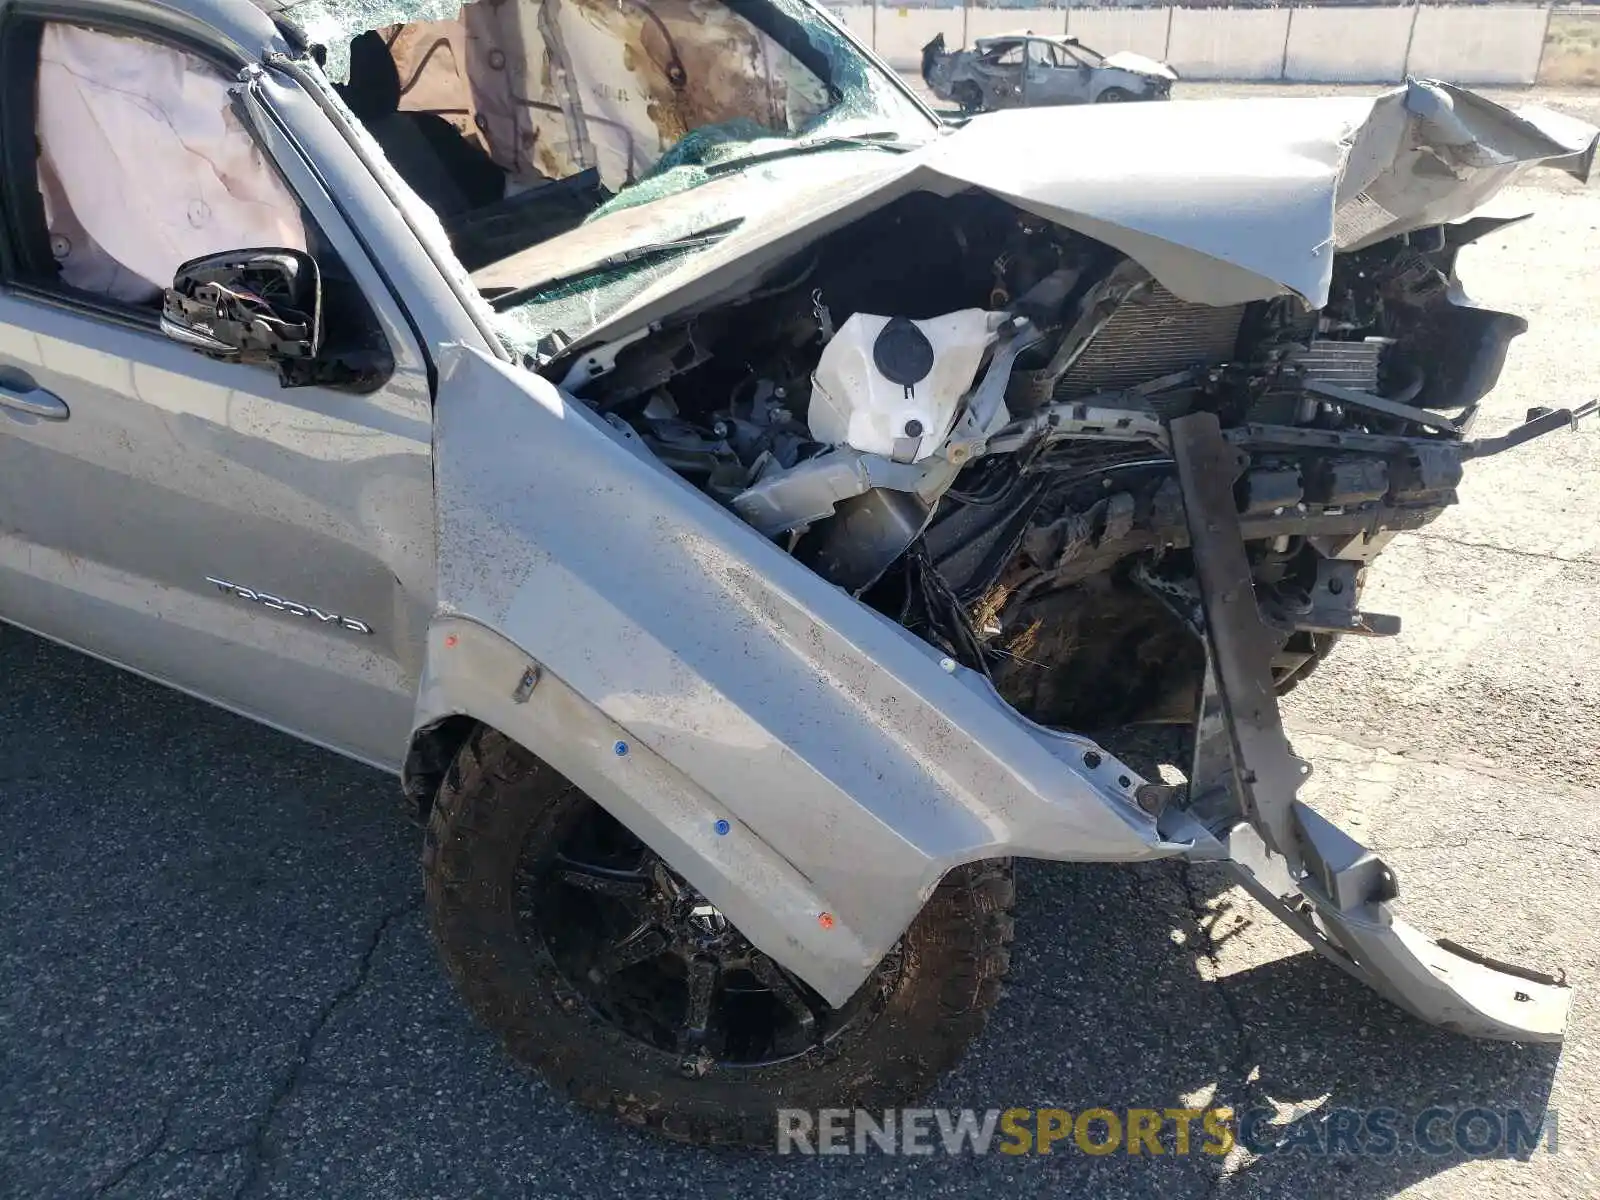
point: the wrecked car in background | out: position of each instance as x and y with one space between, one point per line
728 498
1031 70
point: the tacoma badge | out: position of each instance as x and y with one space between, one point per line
279 604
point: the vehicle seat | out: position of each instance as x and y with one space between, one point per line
449 173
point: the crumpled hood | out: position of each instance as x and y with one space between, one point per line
1223 201
1234 200
1127 60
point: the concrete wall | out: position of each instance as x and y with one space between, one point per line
1327 46
1142 30
1464 44
902 32
988 22
1227 43
1478 45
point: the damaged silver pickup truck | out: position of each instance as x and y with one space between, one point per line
724 495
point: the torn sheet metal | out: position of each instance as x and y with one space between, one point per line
1223 201
1242 808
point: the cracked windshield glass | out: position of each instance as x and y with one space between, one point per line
524 124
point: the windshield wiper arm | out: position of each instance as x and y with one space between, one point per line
876 141
630 257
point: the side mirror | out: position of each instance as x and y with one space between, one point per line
258 306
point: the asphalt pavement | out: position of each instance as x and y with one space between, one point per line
215 980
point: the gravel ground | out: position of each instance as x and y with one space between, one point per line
216 979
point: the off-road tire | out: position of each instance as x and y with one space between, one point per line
496 795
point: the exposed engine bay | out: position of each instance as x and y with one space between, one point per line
955 410
1100 417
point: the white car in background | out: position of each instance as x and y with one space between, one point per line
1031 70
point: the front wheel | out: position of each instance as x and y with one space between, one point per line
1113 95
601 967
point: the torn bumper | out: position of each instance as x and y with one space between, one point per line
1241 807
1438 981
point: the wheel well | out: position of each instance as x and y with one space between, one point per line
433 749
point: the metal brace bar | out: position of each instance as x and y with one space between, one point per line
1561 418
1317 879
1382 404
1239 644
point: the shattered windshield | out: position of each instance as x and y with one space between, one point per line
517 121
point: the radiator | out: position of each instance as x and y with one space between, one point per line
1150 335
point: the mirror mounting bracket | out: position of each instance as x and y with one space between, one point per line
255 306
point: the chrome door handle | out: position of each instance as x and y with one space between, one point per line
36 402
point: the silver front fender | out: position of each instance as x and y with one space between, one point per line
691 673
